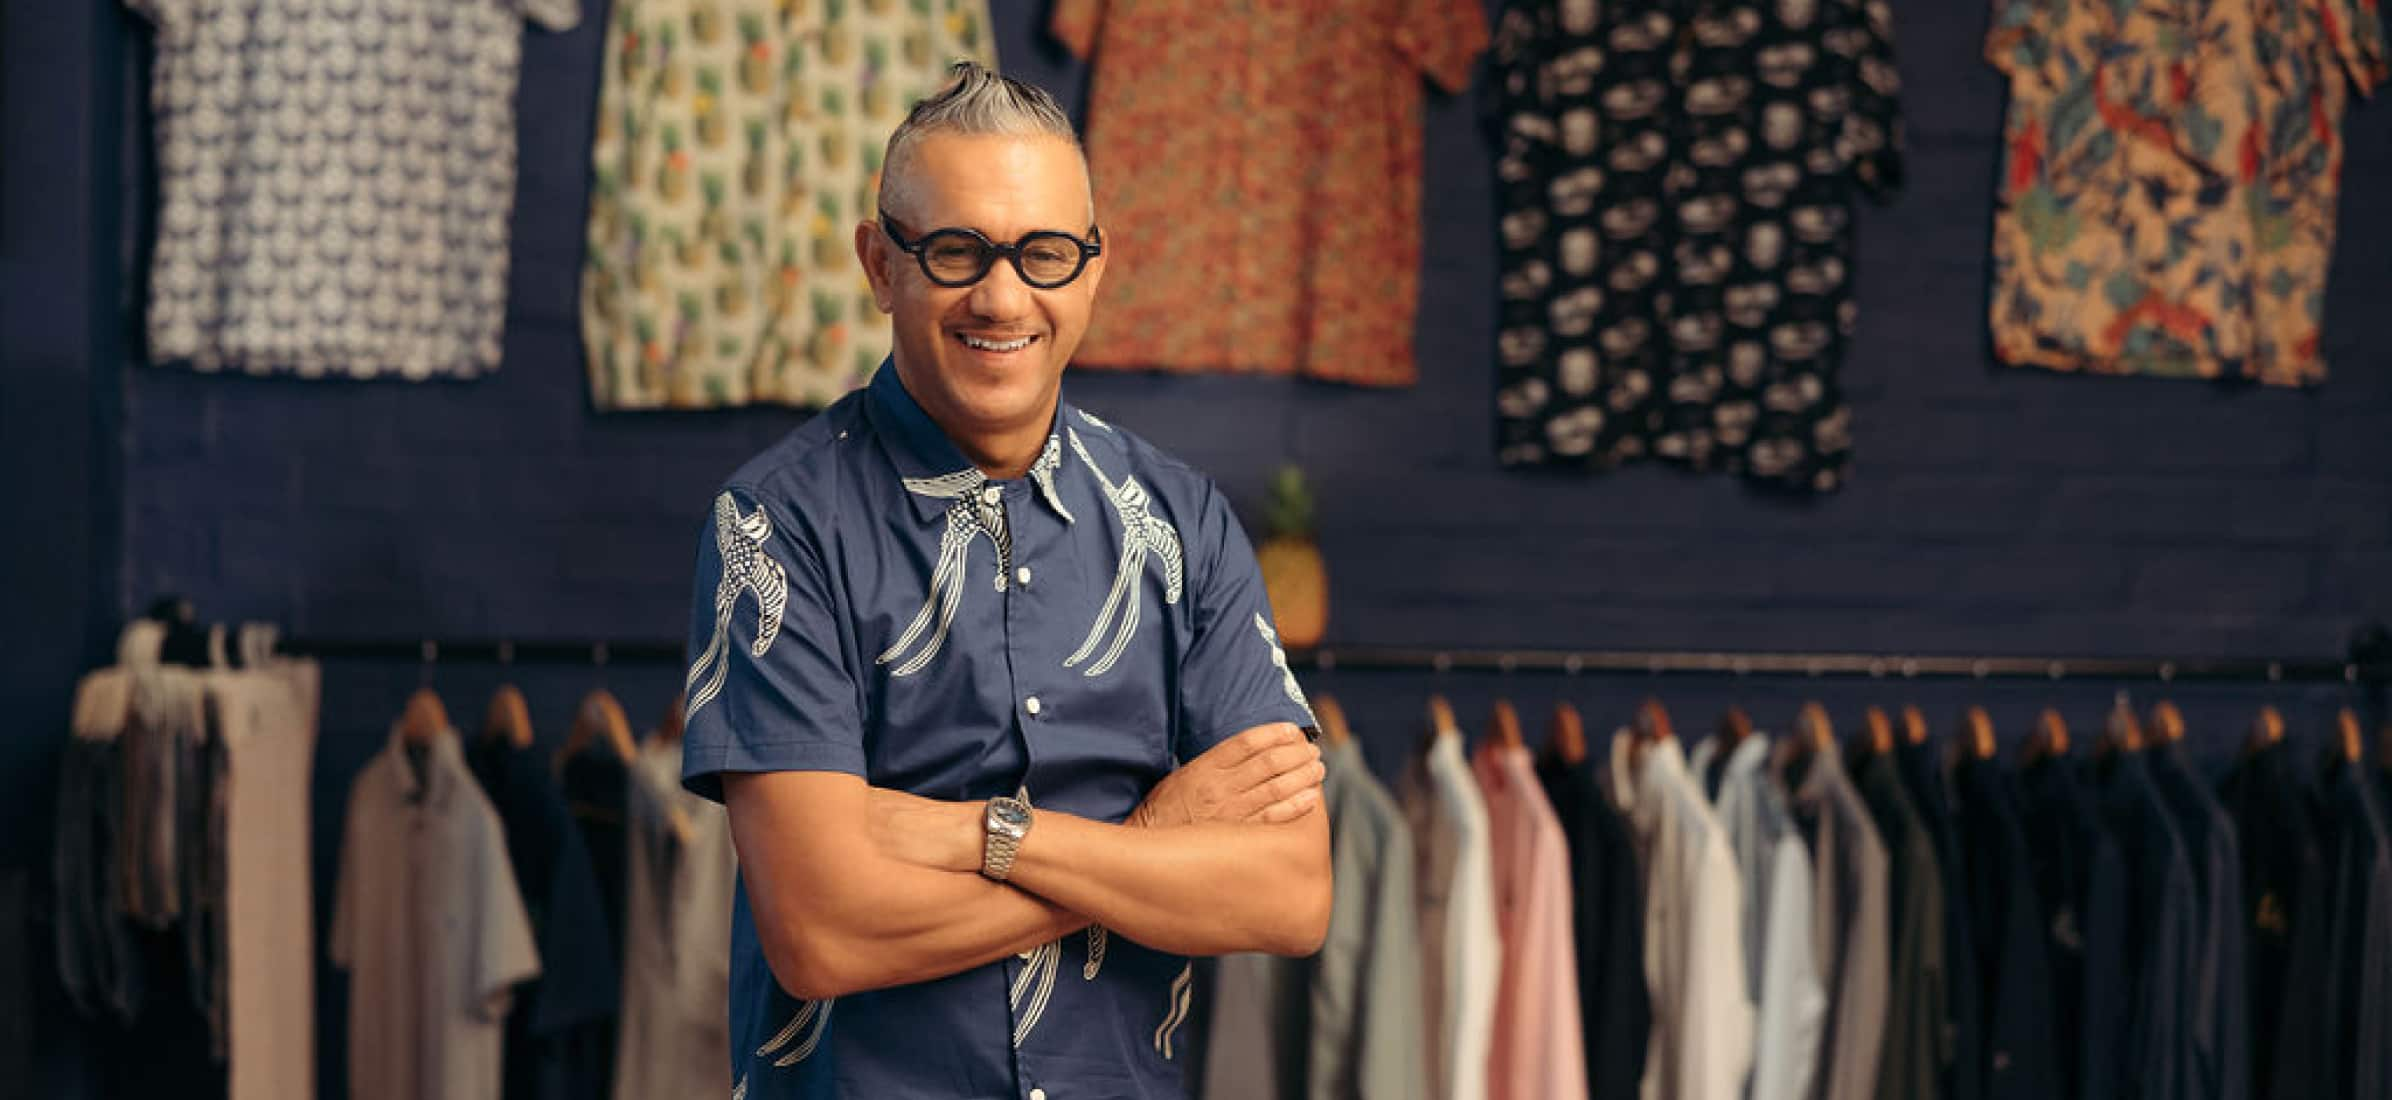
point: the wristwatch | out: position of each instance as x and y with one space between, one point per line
1008 821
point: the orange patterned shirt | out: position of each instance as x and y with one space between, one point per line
1257 169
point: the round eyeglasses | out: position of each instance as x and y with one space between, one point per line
1045 259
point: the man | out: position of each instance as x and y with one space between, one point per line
951 632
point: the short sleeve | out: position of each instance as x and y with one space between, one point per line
340 941
554 15
503 953
768 686
2358 41
1234 675
1443 38
1075 24
1869 137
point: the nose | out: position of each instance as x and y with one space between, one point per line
1001 295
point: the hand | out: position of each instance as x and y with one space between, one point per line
1268 774
944 836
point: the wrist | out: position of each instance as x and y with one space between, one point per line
970 829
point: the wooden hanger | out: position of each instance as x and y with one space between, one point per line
1877 733
1441 719
508 718
1332 719
675 722
1914 726
2267 729
600 721
2123 732
1816 732
1652 722
2048 742
2166 726
1976 733
2349 741
1503 727
1734 727
424 719
1568 739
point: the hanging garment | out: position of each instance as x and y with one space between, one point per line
2357 995
335 183
2221 1032
676 1035
2162 913
1852 881
429 923
2283 924
1456 903
2166 204
1676 235
564 1020
1701 1046
2080 877
1995 876
1537 1053
264 718
738 146
1917 1037
1924 781
1607 919
1258 179
1345 1023
1780 954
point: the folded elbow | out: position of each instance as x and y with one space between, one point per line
805 969
1304 925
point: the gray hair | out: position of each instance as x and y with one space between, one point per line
975 101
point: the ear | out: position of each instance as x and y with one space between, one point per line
873 250
1095 274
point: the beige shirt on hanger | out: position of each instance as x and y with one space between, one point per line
429 923
1702 1038
676 1032
1457 915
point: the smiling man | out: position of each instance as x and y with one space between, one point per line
989 686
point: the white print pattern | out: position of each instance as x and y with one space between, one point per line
1093 422
969 517
1043 472
1141 534
1287 676
1096 953
739 541
1176 1012
814 1020
739 1091
1037 979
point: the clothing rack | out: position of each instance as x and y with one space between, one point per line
2368 661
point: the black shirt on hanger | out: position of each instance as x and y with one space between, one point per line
1607 916
2006 919
2284 922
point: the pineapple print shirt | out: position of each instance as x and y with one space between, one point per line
2167 199
867 602
738 144
334 183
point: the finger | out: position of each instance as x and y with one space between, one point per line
1244 746
1276 762
1279 813
1287 787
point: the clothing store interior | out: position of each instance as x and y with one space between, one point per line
1836 548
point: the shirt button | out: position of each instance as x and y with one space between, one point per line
991 495
1037 1094
1021 576
1030 704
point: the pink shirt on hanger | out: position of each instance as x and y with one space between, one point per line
1538 1053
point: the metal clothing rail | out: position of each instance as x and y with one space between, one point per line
2369 661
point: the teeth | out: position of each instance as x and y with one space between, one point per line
993 345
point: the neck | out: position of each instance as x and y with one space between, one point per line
1003 455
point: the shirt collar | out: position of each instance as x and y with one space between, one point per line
425 777
935 472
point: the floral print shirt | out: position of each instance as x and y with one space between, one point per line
1257 174
1676 230
2166 205
738 144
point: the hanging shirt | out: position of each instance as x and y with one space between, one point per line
2166 203
1676 236
2357 995
335 183
2284 922
676 937
1780 957
1702 1041
429 923
1536 1055
1917 1036
2162 904
1922 779
2221 1032
1607 917
564 1021
1458 923
265 716
1258 168
869 603
738 144
2080 877
1851 883
1995 878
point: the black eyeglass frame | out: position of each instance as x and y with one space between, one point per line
919 249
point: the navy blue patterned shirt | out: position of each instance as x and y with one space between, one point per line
868 602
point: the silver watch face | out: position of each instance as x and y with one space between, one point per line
1009 815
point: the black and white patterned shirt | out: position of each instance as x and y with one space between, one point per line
1676 230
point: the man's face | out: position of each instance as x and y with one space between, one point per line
961 350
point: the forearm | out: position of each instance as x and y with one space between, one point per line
1203 889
